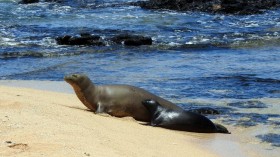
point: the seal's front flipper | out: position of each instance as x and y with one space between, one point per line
156 121
100 108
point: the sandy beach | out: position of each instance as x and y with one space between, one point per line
48 121
217 54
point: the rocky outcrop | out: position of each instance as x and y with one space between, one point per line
36 1
132 40
179 5
29 1
213 6
247 6
83 39
94 40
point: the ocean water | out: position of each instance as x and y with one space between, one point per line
227 62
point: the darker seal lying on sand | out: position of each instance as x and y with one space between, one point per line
181 120
116 100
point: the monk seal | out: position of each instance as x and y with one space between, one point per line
180 119
116 100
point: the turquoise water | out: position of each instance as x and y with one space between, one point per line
228 62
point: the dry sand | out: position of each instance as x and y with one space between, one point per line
46 123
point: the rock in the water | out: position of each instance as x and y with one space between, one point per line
247 6
181 5
213 6
205 110
88 39
36 1
84 39
132 40
29 1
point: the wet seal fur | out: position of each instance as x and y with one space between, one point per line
116 100
181 120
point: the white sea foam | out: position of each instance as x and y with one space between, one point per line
5 41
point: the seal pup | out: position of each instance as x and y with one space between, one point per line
180 119
116 100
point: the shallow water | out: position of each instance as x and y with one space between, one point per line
227 62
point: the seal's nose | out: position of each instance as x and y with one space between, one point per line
65 77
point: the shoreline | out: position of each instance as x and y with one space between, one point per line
55 86
42 115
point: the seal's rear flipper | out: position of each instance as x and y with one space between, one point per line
221 129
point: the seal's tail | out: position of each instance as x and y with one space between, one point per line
221 129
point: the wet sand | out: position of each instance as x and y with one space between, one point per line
49 120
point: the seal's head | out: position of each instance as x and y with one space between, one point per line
151 105
79 80
221 129
82 86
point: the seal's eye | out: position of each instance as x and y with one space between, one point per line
151 101
75 75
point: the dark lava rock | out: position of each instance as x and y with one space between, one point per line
29 1
247 6
213 6
205 110
88 39
132 40
179 5
36 1
84 39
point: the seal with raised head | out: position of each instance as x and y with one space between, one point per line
180 119
116 100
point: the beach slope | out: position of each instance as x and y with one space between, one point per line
44 123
